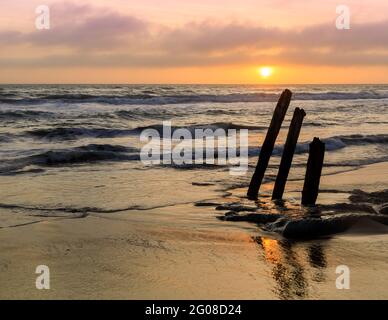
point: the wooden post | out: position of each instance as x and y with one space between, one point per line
313 172
288 153
269 142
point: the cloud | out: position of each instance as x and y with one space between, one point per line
134 60
209 37
100 37
81 26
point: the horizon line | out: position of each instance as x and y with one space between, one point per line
188 83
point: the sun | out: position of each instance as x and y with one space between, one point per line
265 72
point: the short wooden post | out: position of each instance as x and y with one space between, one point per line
288 153
313 172
269 142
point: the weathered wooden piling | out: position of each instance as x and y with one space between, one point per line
269 142
288 153
313 172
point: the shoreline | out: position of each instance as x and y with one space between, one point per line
184 252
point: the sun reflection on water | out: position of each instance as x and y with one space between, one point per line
293 266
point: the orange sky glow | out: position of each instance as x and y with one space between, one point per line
213 41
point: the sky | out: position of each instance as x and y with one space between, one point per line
194 41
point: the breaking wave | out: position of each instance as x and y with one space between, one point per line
71 133
78 155
159 98
332 144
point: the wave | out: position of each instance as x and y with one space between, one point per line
88 153
340 142
5 138
332 144
131 114
77 155
211 126
23 114
166 113
107 152
160 99
71 133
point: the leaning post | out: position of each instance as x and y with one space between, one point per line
269 142
288 153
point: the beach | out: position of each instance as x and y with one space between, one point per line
76 197
183 252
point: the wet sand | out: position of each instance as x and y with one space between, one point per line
184 252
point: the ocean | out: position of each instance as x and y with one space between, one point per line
76 147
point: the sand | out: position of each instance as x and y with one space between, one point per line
184 252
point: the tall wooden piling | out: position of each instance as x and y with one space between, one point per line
313 172
269 142
288 153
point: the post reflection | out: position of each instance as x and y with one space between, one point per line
317 260
292 267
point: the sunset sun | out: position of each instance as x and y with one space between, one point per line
265 72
